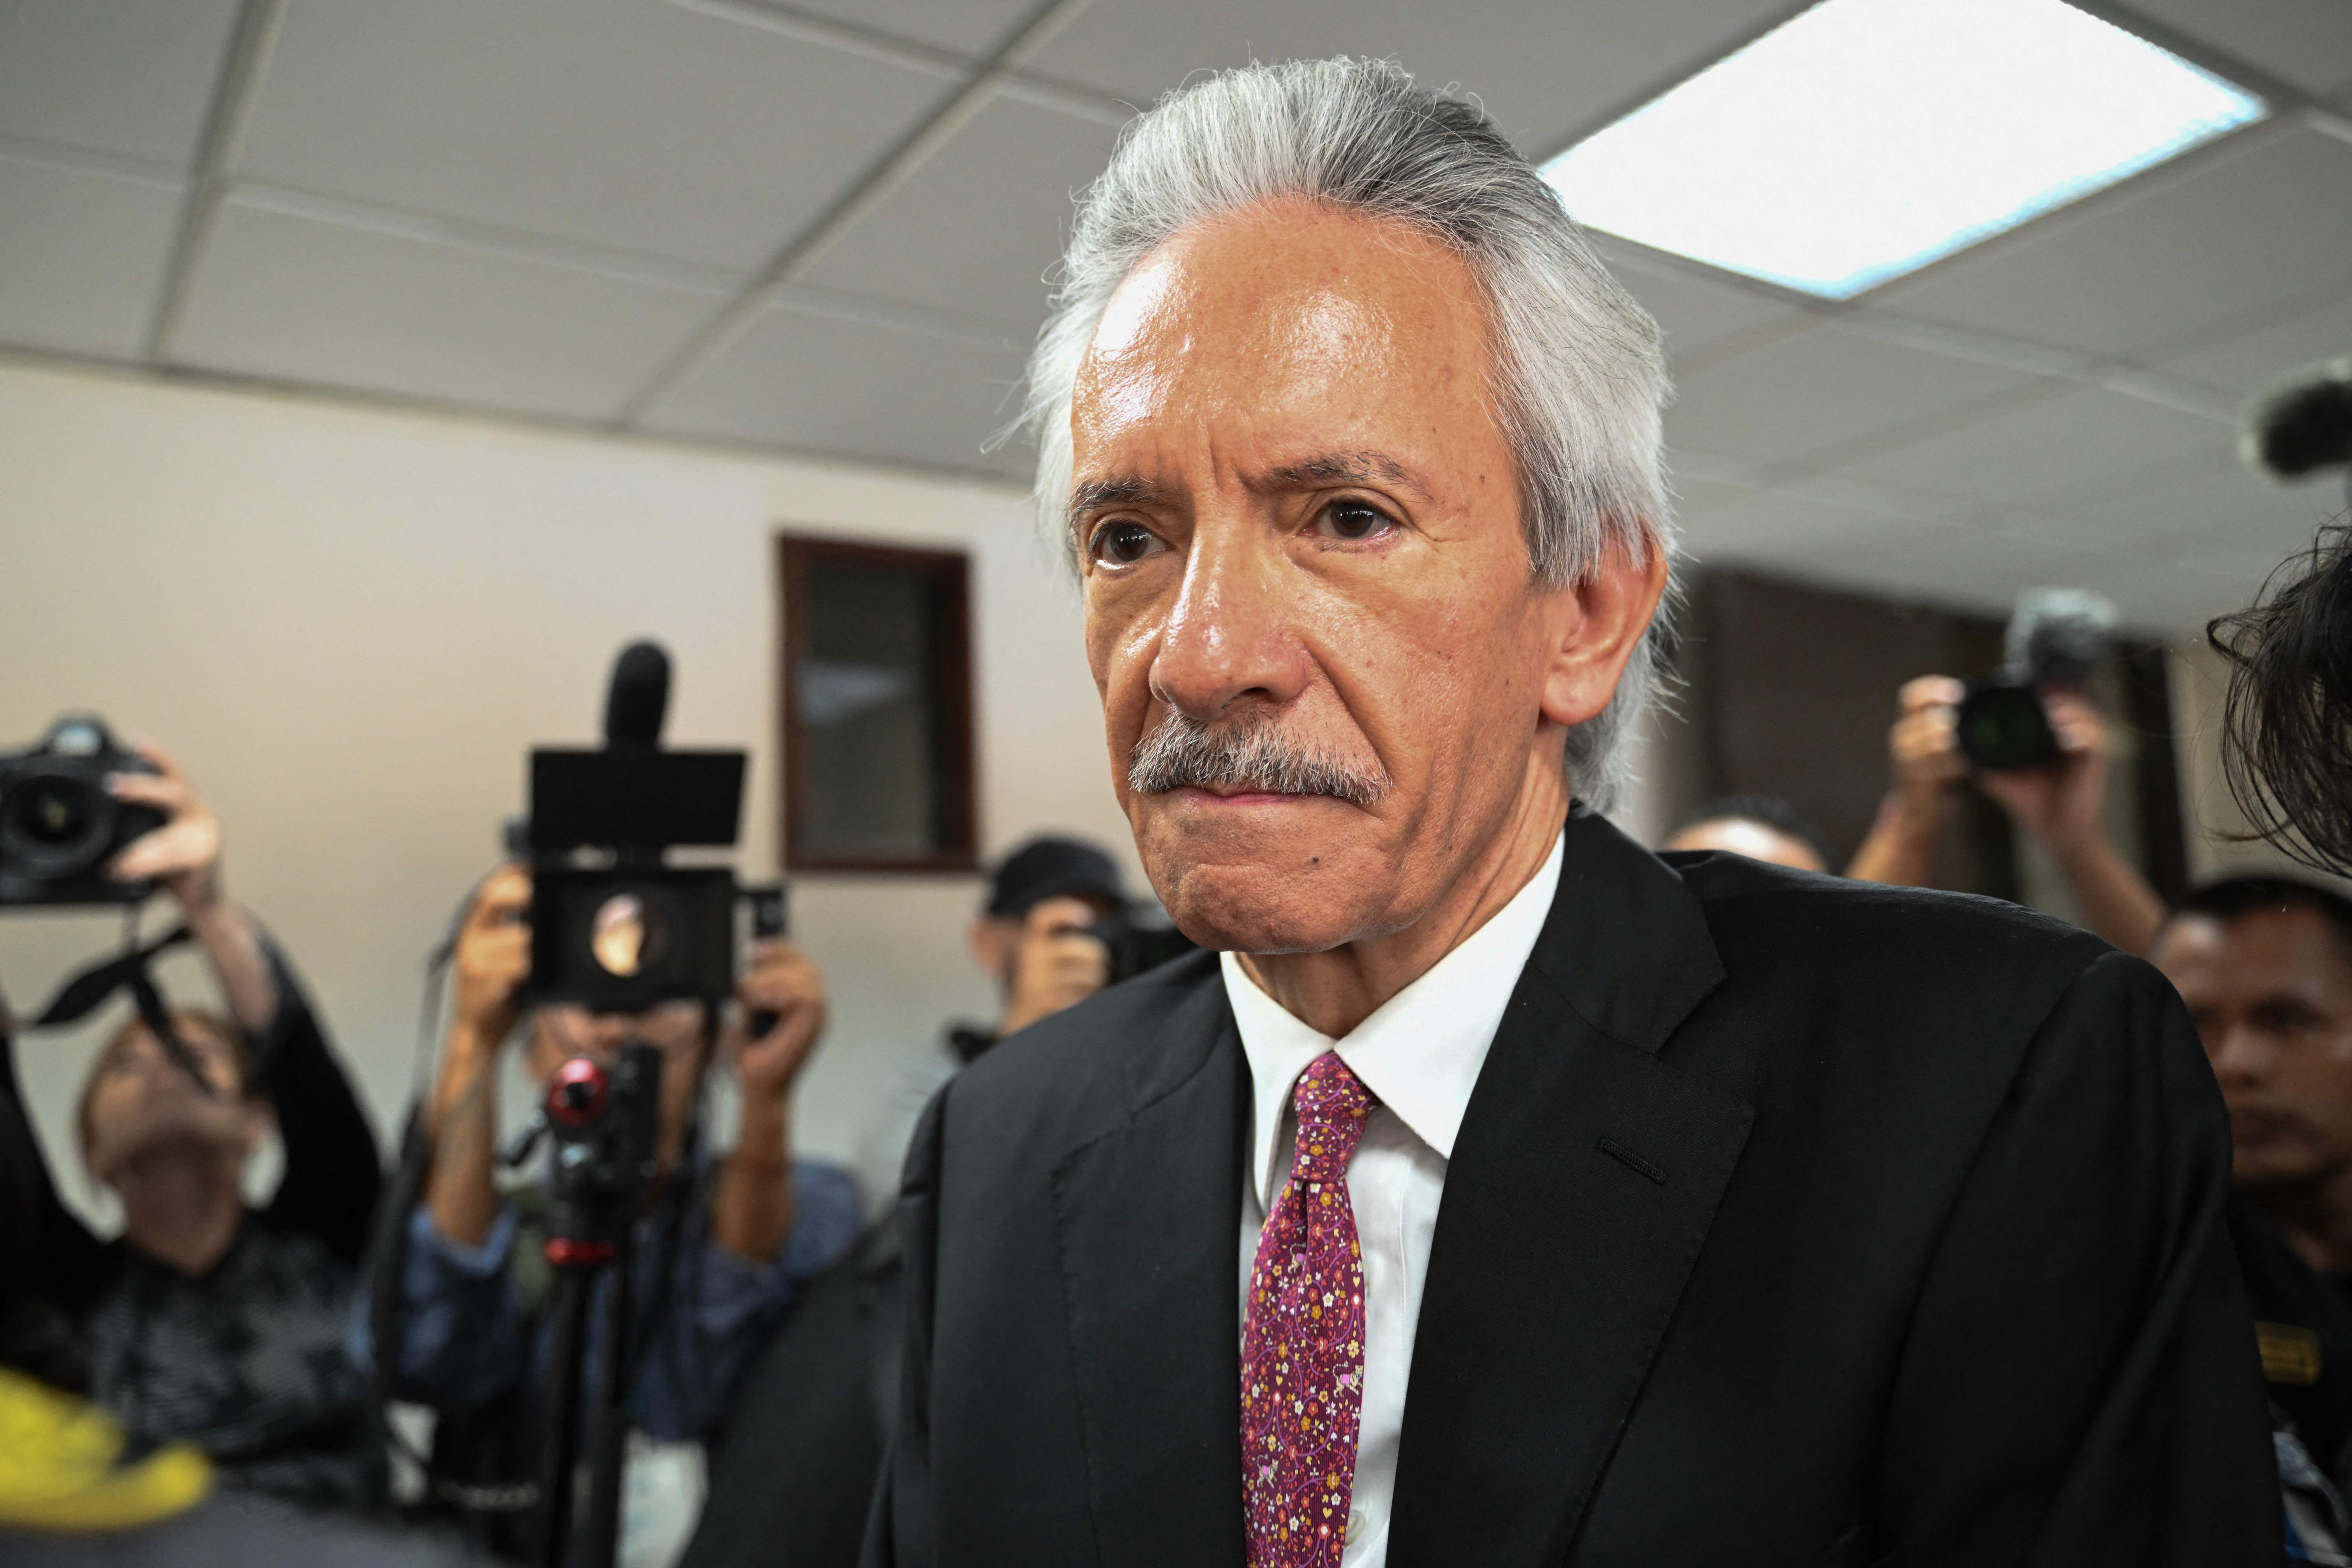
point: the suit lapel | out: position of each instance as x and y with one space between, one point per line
1581 1187
1148 1217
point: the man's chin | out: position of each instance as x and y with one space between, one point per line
1293 877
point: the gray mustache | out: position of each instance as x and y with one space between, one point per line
1183 753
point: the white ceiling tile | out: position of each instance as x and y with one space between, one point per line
2049 448
1541 69
976 226
2216 511
120 76
287 296
1960 566
2271 221
1692 313
970 26
2173 597
81 255
1693 497
2306 42
622 123
2256 362
1819 388
823 383
1773 525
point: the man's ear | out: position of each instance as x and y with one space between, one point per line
987 951
258 1120
1603 621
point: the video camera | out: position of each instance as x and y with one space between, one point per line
59 826
2058 637
614 925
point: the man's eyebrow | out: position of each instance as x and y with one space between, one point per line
1128 489
1328 468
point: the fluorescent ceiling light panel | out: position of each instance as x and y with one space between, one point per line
1864 139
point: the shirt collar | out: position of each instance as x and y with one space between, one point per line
1419 1053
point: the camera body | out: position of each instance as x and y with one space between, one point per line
59 825
2002 725
2057 636
1136 948
614 926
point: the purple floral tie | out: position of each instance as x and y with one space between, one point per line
1303 1339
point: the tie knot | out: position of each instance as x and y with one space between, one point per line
1332 1103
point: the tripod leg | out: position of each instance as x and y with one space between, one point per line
600 1530
575 1292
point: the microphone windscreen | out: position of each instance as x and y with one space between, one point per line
638 700
2306 426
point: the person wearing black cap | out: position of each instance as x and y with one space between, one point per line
1031 937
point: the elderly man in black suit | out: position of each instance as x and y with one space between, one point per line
1496 1192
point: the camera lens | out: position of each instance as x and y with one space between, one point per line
628 936
56 824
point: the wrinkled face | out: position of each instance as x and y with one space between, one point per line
2272 996
1307 598
140 1101
560 1032
1744 835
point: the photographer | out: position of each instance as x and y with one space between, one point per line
723 1251
1031 938
2062 803
208 1321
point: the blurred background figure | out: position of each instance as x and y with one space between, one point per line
1031 937
2060 802
722 1252
2264 965
211 1320
1760 826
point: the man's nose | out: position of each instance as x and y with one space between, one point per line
1232 635
2245 1057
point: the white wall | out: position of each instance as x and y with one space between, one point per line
351 623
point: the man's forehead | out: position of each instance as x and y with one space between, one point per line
2256 947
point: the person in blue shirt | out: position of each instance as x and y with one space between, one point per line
724 1246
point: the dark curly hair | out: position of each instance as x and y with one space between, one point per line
2287 724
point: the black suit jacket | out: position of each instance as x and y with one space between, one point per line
1791 1221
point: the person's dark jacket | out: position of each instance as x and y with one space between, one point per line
1791 1221
791 1472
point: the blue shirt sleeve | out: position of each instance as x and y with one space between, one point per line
461 1318
724 1309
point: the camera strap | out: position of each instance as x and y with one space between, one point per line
92 986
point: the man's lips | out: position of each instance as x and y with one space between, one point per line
1205 794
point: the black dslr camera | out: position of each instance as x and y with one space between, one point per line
2058 637
1135 947
614 925
58 825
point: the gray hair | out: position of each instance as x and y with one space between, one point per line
1579 378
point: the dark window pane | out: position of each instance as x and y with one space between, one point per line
868 715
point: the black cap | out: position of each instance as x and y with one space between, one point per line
1052 868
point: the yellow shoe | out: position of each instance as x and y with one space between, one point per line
60 1465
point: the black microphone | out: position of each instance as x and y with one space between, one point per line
637 700
2305 428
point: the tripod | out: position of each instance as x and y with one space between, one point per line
604 1124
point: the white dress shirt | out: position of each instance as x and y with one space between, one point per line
1420 1054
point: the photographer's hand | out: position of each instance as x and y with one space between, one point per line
492 963
752 1211
184 856
2065 805
1056 965
1924 764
